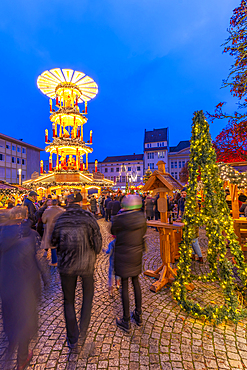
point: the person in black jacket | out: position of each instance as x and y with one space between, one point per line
29 202
129 227
78 240
108 208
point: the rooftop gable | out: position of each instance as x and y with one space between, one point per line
181 145
159 134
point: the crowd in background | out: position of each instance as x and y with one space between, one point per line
73 235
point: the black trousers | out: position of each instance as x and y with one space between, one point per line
125 296
108 214
68 286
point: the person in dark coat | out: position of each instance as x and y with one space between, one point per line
129 227
181 203
149 204
29 202
115 207
19 283
78 240
93 204
108 208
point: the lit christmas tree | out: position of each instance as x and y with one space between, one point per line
147 175
214 215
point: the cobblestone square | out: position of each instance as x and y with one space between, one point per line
168 340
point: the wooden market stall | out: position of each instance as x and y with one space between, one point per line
170 234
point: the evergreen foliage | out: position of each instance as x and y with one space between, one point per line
214 214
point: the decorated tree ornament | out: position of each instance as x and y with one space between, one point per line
214 215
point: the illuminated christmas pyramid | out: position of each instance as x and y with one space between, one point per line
69 89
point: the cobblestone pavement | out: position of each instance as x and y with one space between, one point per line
169 338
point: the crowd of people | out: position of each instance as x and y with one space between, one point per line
73 236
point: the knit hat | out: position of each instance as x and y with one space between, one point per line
78 198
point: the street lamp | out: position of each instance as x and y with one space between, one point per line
19 172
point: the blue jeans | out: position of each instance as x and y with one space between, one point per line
196 247
53 256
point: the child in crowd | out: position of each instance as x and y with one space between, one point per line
110 251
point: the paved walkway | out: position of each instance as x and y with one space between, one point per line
169 338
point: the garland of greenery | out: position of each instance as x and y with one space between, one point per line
228 173
215 216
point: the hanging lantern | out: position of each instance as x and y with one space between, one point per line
96 165
50 105
91 137
50 163
53 130
41 167
46 136
85 106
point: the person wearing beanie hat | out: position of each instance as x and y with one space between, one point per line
129 226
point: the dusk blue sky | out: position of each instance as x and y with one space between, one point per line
155 62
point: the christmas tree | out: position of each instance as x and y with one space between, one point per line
147 175
214 215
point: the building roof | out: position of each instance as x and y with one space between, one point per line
20 142
158 134
181 145
123 158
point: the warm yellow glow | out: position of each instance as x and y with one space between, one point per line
81 85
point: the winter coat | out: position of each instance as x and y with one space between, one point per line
149 203
93 204
31 210
107 201
19 280
115 207
78 240
49 218
129 228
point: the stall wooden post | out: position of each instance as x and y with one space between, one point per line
234 197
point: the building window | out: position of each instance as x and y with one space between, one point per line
129 178
176 175
171 164
7 146
24 162
161 154
24 150
138 168
123 168
163 144
118 179
123 178
8 158
18 149
151 166
129 168
138 178
13 147
172 174
18 160
13 160
183 163
106 169
112 169
2 172
112 178
117 169
1 157
179 164
175 164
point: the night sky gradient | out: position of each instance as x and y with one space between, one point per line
155 62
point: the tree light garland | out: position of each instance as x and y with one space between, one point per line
214 214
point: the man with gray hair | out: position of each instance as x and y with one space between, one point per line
49 218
